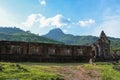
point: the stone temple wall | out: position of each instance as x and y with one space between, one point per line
43 52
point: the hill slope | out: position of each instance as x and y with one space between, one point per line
58 35
16 34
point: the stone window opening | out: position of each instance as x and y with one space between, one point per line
51 51
80 52
15 49
67 51
34 50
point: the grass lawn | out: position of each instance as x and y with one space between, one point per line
49 71
17 71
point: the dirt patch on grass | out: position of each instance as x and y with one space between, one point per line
78 73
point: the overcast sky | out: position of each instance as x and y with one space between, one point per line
78 17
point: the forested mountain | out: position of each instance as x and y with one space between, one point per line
58 35
16 34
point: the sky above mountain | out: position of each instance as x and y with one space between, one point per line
78 17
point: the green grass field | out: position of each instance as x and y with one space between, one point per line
17 71
106 70
49 71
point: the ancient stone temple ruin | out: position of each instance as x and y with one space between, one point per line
101 48
45 52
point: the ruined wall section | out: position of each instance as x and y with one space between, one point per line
41 52
101 48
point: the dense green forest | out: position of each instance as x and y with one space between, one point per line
16 34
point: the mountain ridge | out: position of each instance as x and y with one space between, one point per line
78 40
17 34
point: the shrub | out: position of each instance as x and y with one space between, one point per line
21 68
1 68
116 67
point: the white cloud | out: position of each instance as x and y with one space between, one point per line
30 21
42 2
55 21
86 23
111 26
